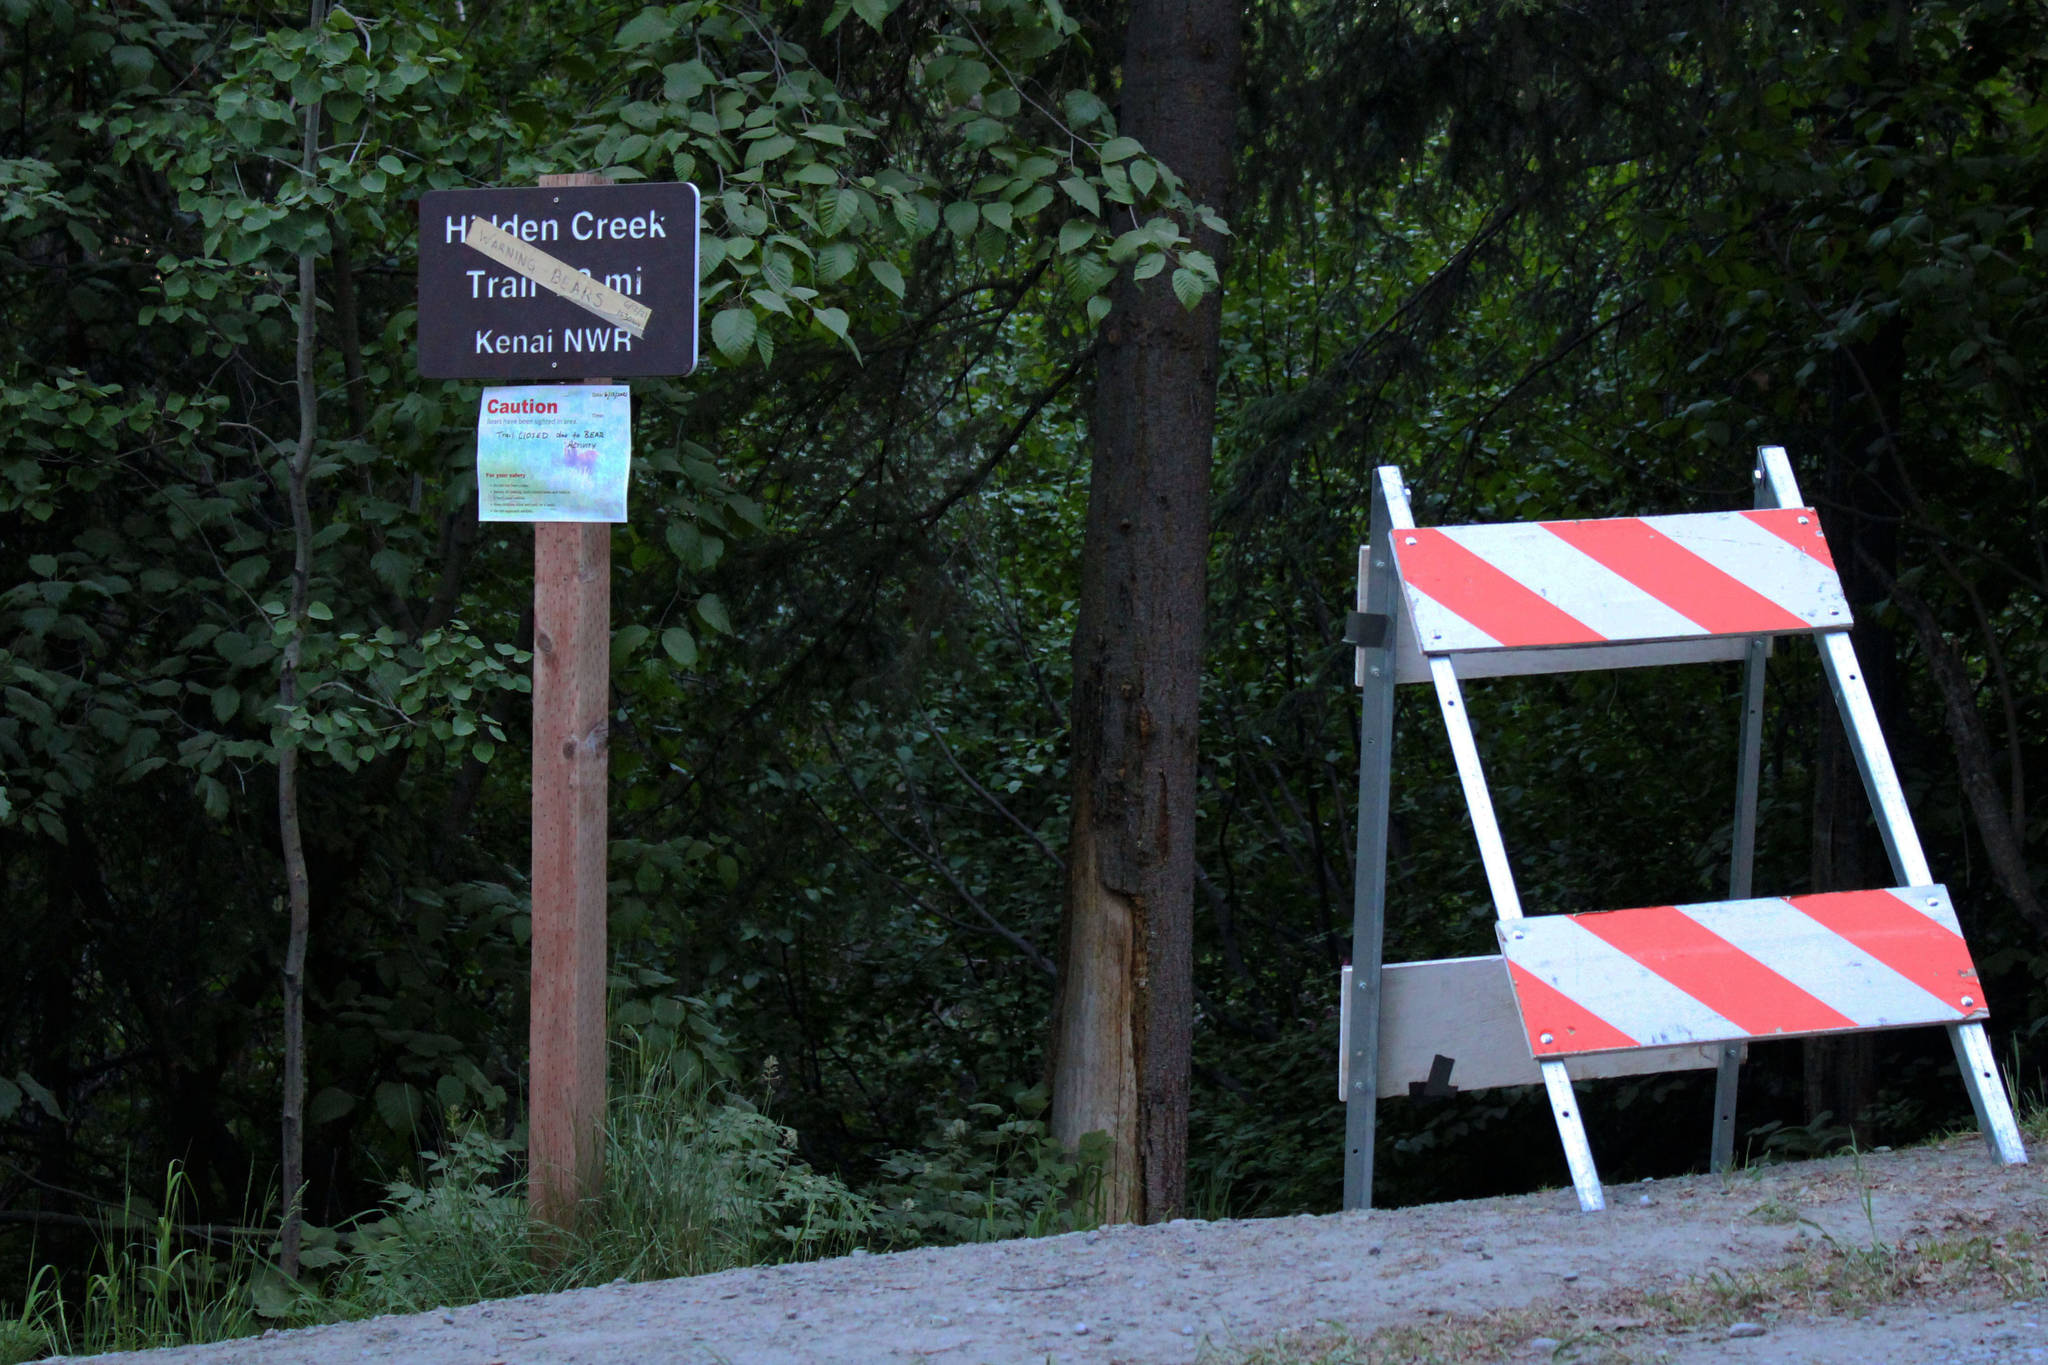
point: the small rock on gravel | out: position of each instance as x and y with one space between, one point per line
1745 1329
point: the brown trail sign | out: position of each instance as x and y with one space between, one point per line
578 279
558 285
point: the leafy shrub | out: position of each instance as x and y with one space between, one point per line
986 1176
459 1237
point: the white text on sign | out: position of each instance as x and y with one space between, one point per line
584 226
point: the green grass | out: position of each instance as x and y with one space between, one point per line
25 1336
694 1182
697 1179
151 1285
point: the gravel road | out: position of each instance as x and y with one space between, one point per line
1187 1291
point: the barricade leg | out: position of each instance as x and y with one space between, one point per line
1571 1130
1493 854
1873 760
1887 799
1361 1041
1726 1076
1741 865
1987 1093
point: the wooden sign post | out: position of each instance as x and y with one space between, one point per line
572 624
550 284
572 611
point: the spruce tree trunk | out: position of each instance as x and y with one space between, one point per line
1124 1015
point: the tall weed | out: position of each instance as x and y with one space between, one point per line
700 1182
34 1330
154 1282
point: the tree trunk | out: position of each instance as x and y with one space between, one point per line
298 891
2000 825
1124 1016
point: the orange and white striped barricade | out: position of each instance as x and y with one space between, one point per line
1662 987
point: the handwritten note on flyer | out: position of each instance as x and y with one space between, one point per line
553 452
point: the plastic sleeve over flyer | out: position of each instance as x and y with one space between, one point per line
554 452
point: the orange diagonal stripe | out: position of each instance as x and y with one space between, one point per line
1925 953
1784 523
1717 602
1713 971
1468 586
1572 1027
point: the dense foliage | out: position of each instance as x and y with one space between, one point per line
1548 263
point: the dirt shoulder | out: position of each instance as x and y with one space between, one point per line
1185 1291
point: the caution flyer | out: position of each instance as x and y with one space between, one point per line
554 452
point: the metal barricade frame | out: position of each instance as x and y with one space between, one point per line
1754 586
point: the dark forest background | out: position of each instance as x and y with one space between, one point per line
1551 261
